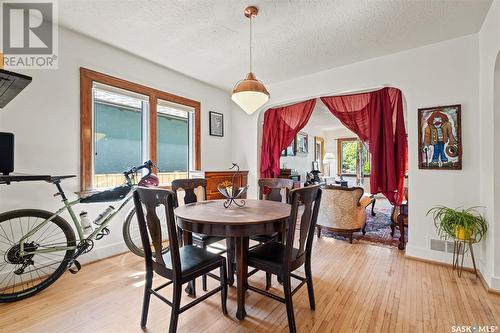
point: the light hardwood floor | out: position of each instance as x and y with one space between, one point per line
358 287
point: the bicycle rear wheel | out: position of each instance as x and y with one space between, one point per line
24 276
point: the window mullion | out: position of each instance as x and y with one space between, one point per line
153 128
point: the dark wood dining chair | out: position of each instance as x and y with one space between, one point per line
283 259
189 186
271 189
179 265
399 218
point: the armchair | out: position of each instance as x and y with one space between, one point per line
342 210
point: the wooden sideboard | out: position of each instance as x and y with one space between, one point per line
214 178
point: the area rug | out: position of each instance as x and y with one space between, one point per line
378 230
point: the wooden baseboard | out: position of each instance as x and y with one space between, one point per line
481 278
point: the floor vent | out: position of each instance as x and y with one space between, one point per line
438 245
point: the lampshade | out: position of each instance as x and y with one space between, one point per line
329 157
250 94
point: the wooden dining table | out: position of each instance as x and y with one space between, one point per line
256 217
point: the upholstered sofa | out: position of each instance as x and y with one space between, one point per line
342 210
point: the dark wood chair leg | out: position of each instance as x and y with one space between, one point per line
223 284
147 298
373 206
176 305
287 288
350 237
402 243
179 236
318 231
230 246
191 289
364 229
268 281
310 288
204 277
393 222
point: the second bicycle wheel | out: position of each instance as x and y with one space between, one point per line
22 276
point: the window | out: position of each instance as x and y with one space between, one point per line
124 124
348 159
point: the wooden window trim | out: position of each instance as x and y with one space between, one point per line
87 77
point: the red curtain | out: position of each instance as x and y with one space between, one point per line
280 127
377 118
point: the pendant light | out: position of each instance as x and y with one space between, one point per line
250 94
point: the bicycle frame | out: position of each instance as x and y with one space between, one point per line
68 206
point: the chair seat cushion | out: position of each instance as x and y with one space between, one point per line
202 238
193 258
269 256
264 238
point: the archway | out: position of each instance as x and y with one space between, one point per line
286 102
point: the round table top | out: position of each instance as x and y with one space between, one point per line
254 212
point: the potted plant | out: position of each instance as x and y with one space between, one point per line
462 224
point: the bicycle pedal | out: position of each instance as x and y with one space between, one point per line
77 265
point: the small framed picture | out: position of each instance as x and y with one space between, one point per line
216 123
440 138
291 150
302 143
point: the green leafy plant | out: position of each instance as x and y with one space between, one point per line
463 224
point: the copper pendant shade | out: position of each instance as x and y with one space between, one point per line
250 94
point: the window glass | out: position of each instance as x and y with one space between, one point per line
173 141
117 136
349 157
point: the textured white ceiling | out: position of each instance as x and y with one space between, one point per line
208 39
322 119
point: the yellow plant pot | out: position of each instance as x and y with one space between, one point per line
462 234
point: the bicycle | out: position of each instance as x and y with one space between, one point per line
48 248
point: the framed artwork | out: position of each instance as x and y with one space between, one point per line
302 143
216 123
291 150
319 151
440 138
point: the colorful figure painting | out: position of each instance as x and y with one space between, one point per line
439 137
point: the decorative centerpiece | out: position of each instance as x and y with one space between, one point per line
231 191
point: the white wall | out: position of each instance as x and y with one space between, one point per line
438 74
489 49
45 119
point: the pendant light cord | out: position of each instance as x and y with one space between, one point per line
250 43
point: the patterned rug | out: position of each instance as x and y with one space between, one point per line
378 229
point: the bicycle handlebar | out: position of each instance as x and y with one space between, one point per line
147 165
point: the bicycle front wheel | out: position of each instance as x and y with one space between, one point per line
22 276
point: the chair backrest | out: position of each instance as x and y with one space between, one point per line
189 186
270 188
308 200
157 200
340 207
